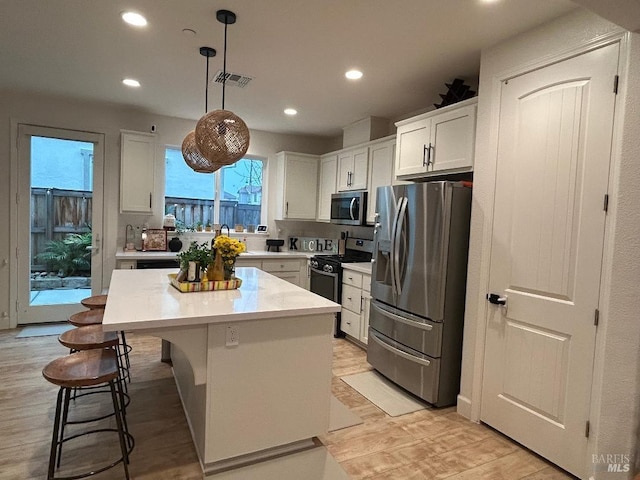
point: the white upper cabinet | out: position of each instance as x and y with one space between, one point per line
380 172
297 186
352 169
326 185
437 142
137 172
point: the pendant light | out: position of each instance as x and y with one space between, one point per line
220 135
190 152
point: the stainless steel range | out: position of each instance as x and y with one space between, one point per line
326 272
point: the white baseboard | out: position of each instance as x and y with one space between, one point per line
464 407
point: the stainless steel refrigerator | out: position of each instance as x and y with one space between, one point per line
418 284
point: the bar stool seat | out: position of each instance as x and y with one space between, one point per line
87 317
88 337
88 368
94 302
91 337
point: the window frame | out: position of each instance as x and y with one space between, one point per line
218 185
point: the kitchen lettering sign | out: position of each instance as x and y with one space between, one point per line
313 244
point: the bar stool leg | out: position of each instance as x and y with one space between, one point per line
123 445
65 415
126 349
54 438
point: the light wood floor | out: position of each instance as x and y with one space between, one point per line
429 444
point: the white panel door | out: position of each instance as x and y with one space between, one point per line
553 166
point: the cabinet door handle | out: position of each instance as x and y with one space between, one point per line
424 156
149 199
427 150
286 208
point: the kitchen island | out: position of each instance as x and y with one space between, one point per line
252 365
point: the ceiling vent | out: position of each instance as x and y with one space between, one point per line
233 79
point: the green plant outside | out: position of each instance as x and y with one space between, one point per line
69 255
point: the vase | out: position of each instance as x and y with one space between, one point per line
229 268
175 244
215 272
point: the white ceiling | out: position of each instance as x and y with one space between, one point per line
296 50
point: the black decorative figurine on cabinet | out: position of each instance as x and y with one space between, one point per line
458 91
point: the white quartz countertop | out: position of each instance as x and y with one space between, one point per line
362 267
144 299
122 255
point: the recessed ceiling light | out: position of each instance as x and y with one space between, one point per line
353 74
290 111
130 82
135 19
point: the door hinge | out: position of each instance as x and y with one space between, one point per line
596 317
606 202
616 80
587 429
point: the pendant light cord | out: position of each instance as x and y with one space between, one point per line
224 63
206 89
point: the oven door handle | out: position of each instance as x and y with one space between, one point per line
326 274
397 351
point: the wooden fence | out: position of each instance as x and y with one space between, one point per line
190 211
56 213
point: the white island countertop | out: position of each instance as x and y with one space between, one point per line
258 357
143 299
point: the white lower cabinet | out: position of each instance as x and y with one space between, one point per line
293 270
356 296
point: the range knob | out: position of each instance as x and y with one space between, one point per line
328 268
314 263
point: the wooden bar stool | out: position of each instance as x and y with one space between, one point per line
91 337
87 317
94 316
94 302
88 368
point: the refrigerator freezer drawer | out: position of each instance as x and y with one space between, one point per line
414 332
417 374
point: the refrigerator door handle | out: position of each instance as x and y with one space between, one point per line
353 201
400 353
396 244
398 318
392 247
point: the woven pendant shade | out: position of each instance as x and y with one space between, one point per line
194 158
222 137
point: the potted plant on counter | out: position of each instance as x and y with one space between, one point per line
193 261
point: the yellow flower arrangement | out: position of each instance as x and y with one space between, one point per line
228 247
225 251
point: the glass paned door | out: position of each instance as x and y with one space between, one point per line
59 222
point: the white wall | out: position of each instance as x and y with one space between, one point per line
617 371
76 114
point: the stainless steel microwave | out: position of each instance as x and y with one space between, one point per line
349 208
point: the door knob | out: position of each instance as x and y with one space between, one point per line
496 299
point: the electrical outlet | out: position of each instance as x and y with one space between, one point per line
233 336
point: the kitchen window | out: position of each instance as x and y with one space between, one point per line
232 195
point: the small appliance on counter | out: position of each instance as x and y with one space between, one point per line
275 244
169 222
